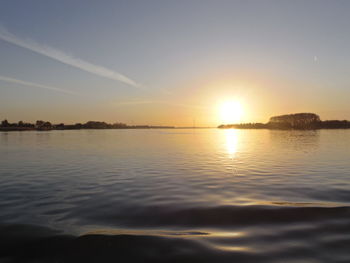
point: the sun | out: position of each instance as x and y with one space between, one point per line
230 112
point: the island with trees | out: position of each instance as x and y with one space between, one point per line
47 126
298 121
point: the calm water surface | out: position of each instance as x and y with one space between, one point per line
225 195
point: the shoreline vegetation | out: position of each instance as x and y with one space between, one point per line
48 126
297 121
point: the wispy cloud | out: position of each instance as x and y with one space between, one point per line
134 102
35 85
65 58
139 102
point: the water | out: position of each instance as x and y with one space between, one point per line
202 195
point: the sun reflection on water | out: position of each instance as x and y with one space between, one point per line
231 142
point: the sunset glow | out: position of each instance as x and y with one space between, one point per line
231 112
174 131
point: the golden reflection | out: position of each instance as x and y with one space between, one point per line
230 236
231 142
233 248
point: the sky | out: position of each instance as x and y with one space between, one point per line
173 62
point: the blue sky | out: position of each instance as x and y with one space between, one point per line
170 62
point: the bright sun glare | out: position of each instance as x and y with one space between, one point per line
231 112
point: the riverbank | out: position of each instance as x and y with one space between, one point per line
47 126
331 124
295 121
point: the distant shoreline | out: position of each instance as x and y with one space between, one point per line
48 126
127 128
298 121
262 126
5 126
9 129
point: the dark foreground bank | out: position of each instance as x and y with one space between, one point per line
35 244
226 234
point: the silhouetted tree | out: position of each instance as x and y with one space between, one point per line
39 123
295 121
4 123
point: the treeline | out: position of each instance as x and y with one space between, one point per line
330 124
46 126
299 121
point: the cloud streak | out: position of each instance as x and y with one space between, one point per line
139 102
35 85
65 58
